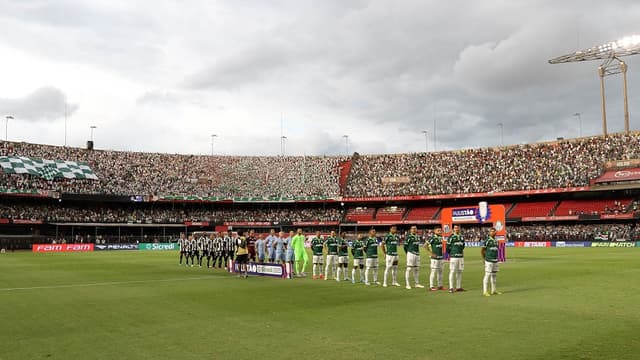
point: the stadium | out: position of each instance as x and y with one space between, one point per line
527 250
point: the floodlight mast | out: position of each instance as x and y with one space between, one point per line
611 53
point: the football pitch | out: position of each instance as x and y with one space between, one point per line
557 303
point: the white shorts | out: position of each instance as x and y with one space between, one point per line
358 262
332 259
372 263
456 264
413 260
343 259
437 264
490 267
318 259
390 259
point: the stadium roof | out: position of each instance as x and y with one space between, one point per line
626 46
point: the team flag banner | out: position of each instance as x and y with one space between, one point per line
46 169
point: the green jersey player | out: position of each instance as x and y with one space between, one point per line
317 247
343 256
455 248
357 250
437 262
371 250
331 243
490 254
390 250
412 249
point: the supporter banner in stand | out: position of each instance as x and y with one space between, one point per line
614 244
4 221
273 270
242 199
396 180
158 246
101 247
618 164
45 248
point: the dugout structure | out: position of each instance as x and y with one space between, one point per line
477 215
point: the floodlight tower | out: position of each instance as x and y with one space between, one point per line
611 53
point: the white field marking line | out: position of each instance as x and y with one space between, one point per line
110 283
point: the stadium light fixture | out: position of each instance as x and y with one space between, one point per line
283 140
92 127
6 126
426 140
611 54
579 117
213 136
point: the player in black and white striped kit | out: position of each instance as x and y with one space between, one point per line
228 247
214 253
200 249
218 246
193 249
181 244
208 249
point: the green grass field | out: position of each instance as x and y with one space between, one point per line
557 304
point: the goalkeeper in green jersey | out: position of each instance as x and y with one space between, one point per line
300 254
390 250
490 255
455 248
434 244
412 249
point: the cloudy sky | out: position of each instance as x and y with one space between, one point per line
165 75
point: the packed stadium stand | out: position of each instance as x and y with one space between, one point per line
142 194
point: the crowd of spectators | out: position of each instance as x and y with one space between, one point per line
136 173
522 167
559 164
132 214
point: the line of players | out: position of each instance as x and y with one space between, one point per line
219 247
365 254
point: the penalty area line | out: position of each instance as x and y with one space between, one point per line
108 283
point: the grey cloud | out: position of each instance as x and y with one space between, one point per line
372 64
44 104
245 67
